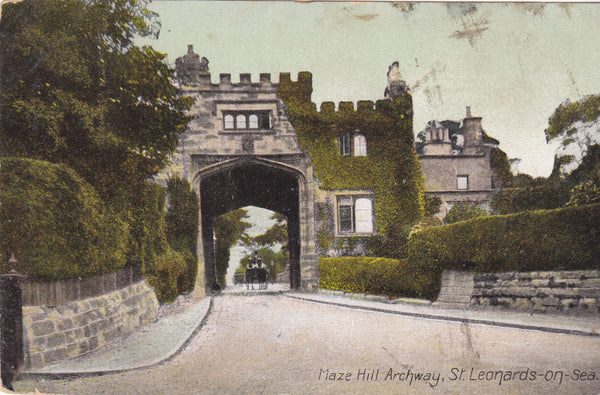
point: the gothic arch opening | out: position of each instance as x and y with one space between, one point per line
233 185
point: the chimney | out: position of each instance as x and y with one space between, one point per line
190 49
469 112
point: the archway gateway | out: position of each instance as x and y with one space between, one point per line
241 149
260 182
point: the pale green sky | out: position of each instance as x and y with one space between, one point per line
512 63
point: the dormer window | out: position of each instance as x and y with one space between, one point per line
245 120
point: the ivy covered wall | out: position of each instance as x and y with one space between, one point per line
390 170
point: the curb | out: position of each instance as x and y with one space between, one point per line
546 329
166 358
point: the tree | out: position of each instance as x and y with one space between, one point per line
576 126
464 212
75 90
229 228
264 244
276 234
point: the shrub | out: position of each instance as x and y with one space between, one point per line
561 239
464 212
381 276
168 268
147 240
55 223
181 227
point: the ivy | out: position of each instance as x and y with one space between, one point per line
391 169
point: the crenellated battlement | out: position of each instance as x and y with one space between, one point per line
347 107
193 72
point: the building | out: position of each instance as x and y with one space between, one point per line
458 162
341 176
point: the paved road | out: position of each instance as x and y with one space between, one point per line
278 345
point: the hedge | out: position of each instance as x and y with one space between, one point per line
379 276
181 227
560 239
55 223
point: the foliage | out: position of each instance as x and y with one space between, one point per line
276 234
391 169
549 195
380 276
55 223
169 266
502 173
181 227
432 205
568 113
76 91
587 192
560 239
147 240
464 212
527 193
228 230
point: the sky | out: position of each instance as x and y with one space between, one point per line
513 63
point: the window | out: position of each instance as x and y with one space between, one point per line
355 214
240 121
462 182
345 213
364 215
345 142
253 121
352 145
244 120
360 145
229 121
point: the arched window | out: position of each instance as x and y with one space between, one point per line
360 145
363 209
253 121
229 121
240 121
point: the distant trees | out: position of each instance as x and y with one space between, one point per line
271 246
574 179
229 229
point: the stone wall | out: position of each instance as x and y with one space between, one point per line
570 292
52 334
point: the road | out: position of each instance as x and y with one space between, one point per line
269 344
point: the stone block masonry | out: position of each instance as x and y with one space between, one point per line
53 334
563 292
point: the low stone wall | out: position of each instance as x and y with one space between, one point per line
570 292
52 334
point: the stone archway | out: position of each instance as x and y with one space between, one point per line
259 182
